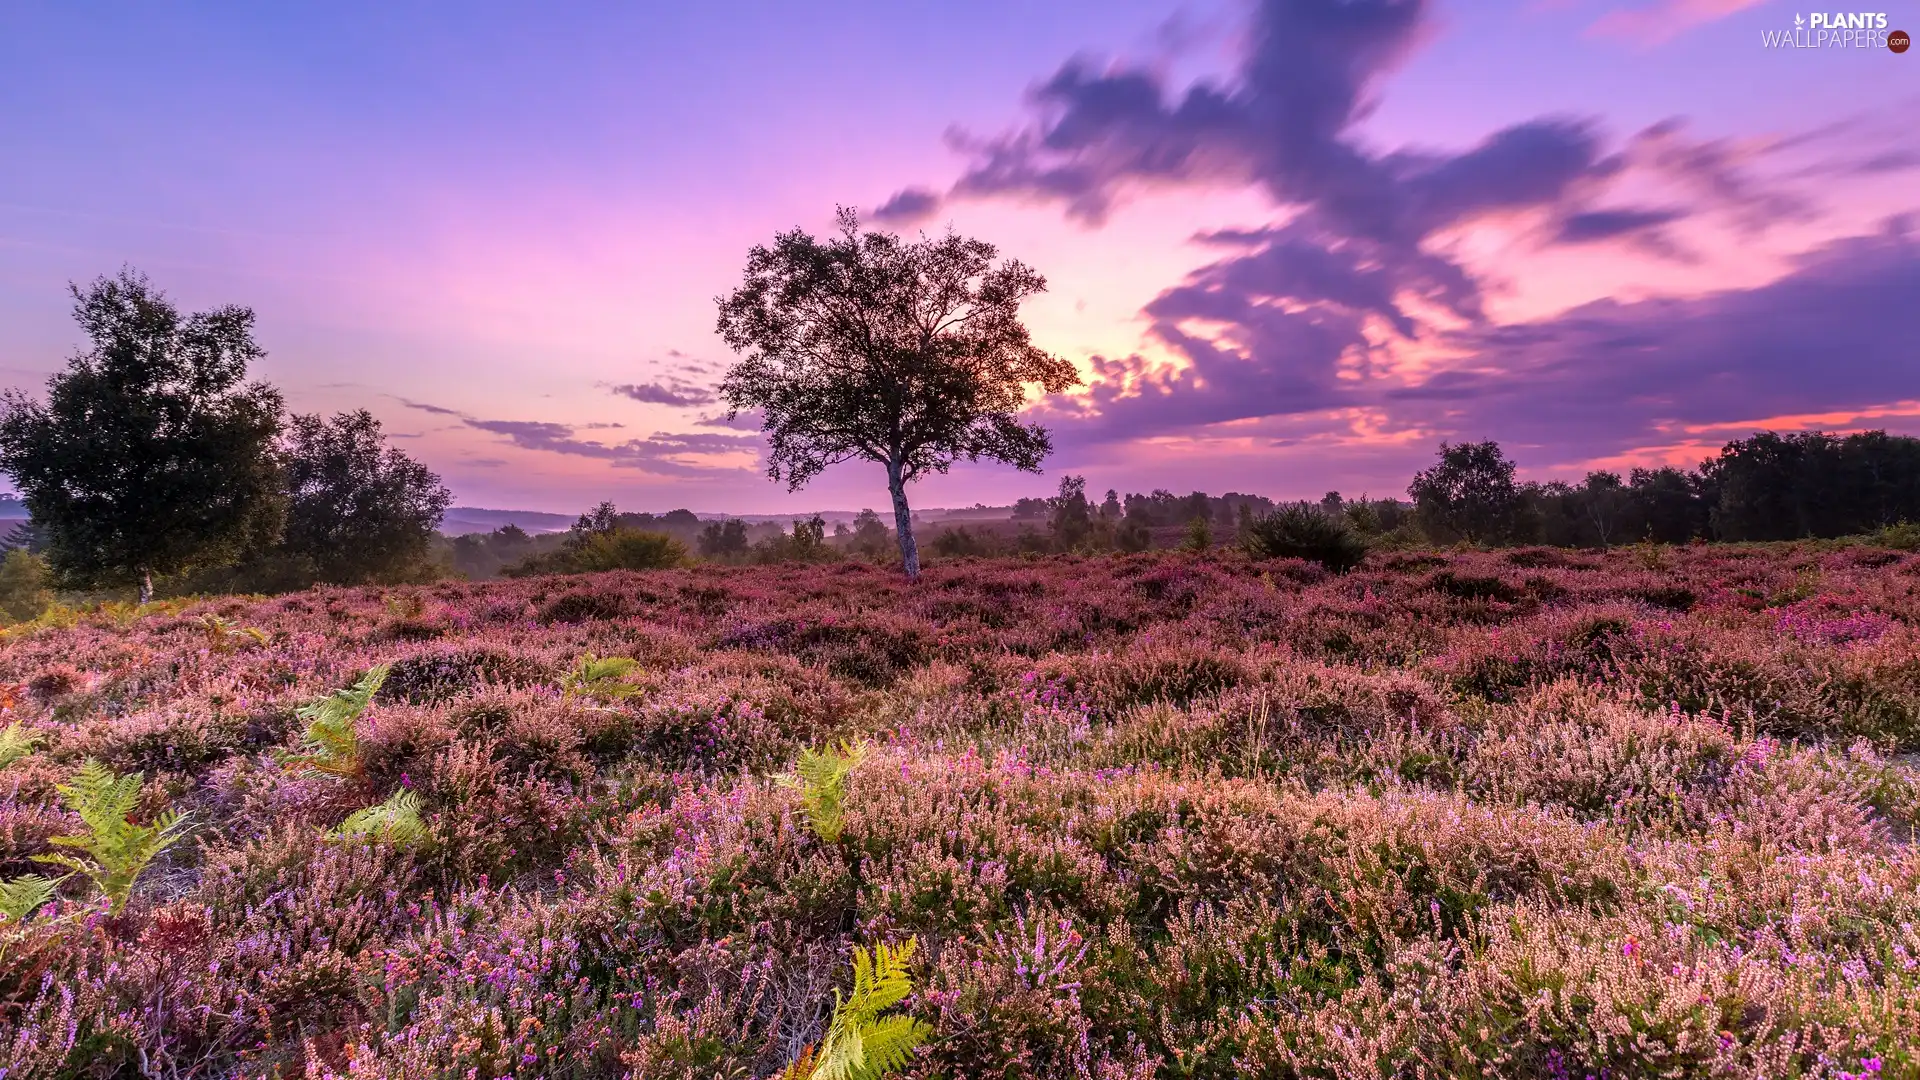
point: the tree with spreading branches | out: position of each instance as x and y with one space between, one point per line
152 453
910 354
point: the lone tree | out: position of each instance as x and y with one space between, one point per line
152 454
359 510
907 353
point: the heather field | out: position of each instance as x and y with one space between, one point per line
1527 813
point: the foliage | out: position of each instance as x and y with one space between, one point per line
1304 531
225 635
151 455
1776 486
821 777
16 741
23 586
395 821
358 509
724 539
1901 536
599 541
116 849
330 743
606 678
1070 516
1469 494
1199 536
861 1043
933 367
22 896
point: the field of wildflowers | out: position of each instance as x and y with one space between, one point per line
1528 813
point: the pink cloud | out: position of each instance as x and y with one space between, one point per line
1657 24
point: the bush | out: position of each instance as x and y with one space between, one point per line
1304 531
607 549
23 586
631 549
1902 537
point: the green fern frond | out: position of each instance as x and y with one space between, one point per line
603 677
116 849
330 745
860 1043
889 1042
396 821
23 896
821 777
16 742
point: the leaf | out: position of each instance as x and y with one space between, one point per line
395 821
23 896
16 742
117 849
861 1044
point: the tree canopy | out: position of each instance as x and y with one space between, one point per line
910 354
358 509
152 454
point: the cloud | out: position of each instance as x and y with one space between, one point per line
745 421
1593 226
1353 316
1609 376
1598 380
662 453
1657 24
1643 228
678 395
906 207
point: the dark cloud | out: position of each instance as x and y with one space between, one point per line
746 421
1594 381
678 395
1594 226
1609 376
906 207
1719 172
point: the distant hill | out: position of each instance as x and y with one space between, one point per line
461 520
12 509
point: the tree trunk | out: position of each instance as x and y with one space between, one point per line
146 586
903 522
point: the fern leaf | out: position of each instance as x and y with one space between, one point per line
396 821
117 849
16 742
23 896
888 1043
860 1043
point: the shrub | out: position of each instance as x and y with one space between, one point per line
1904 536
1304 531
630 549
23 586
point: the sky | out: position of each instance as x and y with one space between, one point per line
1291 245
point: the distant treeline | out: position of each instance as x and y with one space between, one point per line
1771 486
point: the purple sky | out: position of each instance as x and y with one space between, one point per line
1293 245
